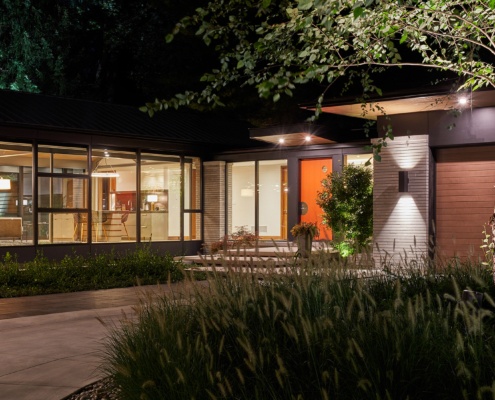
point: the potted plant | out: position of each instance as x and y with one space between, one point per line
304 234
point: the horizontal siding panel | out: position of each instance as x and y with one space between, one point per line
400 220
468 195
468 154
465 197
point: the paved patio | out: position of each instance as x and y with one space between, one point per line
50 345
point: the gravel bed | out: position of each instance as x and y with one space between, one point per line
101 390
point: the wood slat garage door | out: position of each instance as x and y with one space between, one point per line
465 198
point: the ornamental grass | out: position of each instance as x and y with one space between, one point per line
313 333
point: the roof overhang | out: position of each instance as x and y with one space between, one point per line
292 135
405 105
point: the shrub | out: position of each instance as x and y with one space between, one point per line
347 204
75 272
319 335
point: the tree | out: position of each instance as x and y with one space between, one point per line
277 46
347 203
31 45
104 50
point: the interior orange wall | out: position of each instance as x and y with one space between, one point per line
312 173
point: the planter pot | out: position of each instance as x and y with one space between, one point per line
304 245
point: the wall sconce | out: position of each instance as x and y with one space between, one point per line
4 184
403 181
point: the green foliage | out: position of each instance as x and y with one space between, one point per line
276 47
487 246
347 203
76 272
320 334
345 249
31 45
100 49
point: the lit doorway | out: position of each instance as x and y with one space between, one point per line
312 173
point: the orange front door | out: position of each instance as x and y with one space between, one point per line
312 173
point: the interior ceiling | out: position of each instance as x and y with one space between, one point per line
413 104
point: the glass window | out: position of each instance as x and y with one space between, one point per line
192 199
241 196
54 192
273 199
62 227
62 160
16 195
114 197
160 197
358 159
62 185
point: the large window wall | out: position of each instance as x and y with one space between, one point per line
257 198
192 199
114 200
16 195
98 195
62 193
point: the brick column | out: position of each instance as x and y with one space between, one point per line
214 200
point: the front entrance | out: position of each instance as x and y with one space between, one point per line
312 173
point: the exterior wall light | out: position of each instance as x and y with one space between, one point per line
403 181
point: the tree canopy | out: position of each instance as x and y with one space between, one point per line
105 50
277 46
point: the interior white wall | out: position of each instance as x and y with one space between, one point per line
242 207
174 202
243 211
270 200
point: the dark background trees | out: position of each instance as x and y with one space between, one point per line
105 50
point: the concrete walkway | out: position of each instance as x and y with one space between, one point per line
51 345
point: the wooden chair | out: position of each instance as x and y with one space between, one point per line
123 220
79 221
99 218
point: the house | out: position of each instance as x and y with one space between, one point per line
77 176
444 154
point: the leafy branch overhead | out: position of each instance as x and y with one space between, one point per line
277 45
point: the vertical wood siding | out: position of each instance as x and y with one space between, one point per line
214 206
400 220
